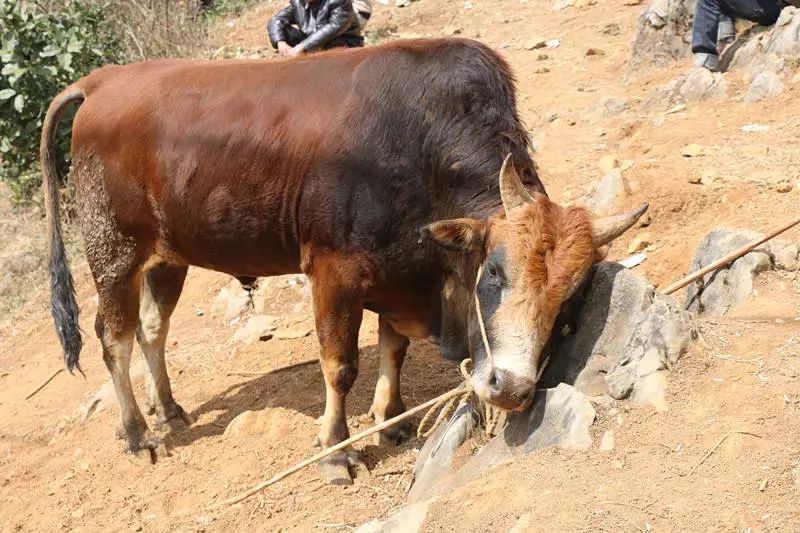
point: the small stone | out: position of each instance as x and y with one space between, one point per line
613 106
452 30
542 57
595 52
695 180
765 85
258 327
607 163
535 44
607 441
543 70
694 150
296 332
702 84
561 5
708 177
640 242
784 186
605 196
612 28
645 221
523 524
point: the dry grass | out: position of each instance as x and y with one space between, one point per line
23 254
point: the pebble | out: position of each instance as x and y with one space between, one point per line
784 186
640 242
695 180
607 441
694 150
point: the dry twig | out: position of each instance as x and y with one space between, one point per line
44 384
716 447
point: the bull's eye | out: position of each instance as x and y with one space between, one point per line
494 275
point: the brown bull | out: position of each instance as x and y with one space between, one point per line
329 165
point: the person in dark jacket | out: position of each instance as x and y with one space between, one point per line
706 25
309 25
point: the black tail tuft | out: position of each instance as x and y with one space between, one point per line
64 308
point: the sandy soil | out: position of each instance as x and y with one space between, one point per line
666 472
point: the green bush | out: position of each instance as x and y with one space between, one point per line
42 53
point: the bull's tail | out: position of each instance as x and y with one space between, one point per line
64 308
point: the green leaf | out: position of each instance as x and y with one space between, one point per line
75 45
65 60
50 51
19 103
5 94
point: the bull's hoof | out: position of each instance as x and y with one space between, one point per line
337 469
394 435
148 449
177 422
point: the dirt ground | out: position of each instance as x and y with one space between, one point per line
724 457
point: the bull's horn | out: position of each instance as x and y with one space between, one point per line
512 191
606 229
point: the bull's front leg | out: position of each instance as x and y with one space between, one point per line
387 402
338 309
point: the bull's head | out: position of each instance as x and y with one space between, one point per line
533 256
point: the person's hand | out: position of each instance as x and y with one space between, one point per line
296 51
284 49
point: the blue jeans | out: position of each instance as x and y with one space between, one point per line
707 14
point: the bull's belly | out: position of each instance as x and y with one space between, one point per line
243 254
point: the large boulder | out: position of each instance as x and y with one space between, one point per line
719 291
617 335
560 416
774 49
663 34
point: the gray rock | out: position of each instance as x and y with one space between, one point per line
660 38
725 287
432 470
258 327
605 197
765 85
785 254
766 48
231 302
560 416
408 519
701 84
613 106
620 331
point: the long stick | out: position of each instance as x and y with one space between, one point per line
44 384
335 448
728 258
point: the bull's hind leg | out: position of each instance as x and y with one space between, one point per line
118 289
387 402
338 309
160 292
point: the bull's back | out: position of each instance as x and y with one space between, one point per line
207 157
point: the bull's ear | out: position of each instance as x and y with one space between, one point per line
458 234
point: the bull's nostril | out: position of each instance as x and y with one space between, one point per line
493 379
